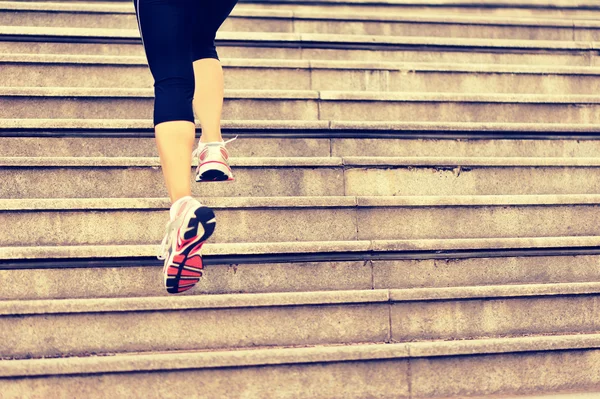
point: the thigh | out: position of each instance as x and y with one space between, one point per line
165 29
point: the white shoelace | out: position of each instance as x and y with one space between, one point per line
163 250
201 146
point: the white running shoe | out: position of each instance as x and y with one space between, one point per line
213 162
181 247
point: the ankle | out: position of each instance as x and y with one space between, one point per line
211 137
177 203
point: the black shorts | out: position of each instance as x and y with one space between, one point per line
175 33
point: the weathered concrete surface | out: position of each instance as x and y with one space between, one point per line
295 147
485 271
76 334
63 283
458 222
146 147
311 46
241 20
465 147
531 373
85 71
86 103
138 182
493 317
137 177
371 379
295 318
470 180
124 227
288 219
424 372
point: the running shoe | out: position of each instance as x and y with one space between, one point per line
213 162
181 247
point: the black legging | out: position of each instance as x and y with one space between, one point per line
175 33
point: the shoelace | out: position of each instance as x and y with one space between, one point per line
163 250
201 146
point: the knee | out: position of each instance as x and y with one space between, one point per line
205 48
173 99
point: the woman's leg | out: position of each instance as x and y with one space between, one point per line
208 96
165 30
175 142
165 27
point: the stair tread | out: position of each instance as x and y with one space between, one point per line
277 355
312 95
52 204
270 37
300 125
313 64
248 11
309 162
317 298
320 95
132 251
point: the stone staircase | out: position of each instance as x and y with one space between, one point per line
415 212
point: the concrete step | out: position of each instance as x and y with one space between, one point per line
365 370
136 177
126 42
273 138
533 8
45 70
399 371
563 395
49 328
93 103
285 219
536 8
67 272
578 9
244 19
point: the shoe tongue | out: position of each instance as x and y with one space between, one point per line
178 206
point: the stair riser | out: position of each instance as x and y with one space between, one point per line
52 335
146 147
434 377
304 224
286 25
321 52
455 319
419 9
471 181
148 182
147 281
488 10
126 282
103 182
113 76
466 222
147 226
523 373
466 148
78 334
142 108
234 23
470 272
352 380
307 109
283 147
